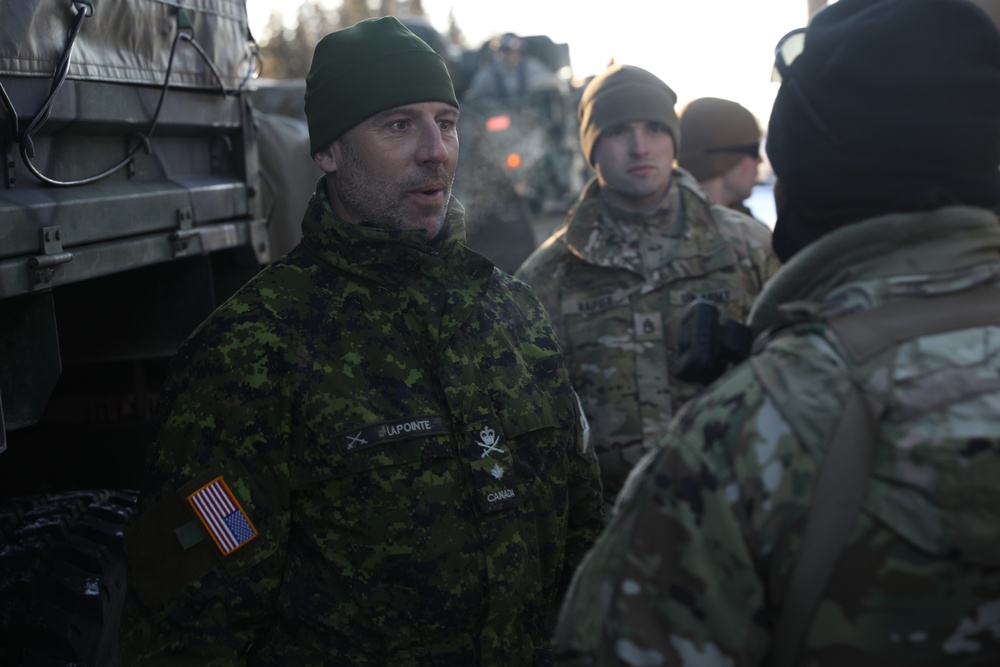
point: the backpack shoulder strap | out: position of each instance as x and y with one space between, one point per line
866 334
832 515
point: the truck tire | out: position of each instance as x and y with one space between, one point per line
62 578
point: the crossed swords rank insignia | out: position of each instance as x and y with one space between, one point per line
495 479
356 441
489 441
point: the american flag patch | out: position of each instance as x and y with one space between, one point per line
222 516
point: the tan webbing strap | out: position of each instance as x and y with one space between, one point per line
840 490
866 334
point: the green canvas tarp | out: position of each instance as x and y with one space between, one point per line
128 41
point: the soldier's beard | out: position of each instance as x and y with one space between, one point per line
383 205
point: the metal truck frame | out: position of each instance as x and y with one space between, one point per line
129 209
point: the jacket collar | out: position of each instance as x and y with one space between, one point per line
387 258
602 234
947 239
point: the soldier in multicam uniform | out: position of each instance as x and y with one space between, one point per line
371 454
834 500
640 244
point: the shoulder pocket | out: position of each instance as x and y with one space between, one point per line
158 563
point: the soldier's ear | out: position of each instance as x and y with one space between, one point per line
326 159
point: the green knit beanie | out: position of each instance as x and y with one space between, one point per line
374 65
711 126
623 94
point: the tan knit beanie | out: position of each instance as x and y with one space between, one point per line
623 94
710 126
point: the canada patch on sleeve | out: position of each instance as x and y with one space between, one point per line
222 516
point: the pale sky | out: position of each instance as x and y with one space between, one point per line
719 48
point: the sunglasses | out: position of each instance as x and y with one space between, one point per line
751 150
788 49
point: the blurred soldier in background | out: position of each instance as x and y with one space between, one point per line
721 149
510 73
834 501
371 454
517 93
641 243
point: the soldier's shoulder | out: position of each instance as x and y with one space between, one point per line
545 260
727 406
742 226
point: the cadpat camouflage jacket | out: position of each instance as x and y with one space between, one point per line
616 285
371 455
695 566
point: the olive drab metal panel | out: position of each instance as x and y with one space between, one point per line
130 176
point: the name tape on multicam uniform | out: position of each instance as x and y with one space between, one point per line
223 517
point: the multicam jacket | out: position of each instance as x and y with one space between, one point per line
616 285
371 455
694 568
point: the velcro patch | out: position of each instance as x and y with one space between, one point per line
223 517
719 295
160 563
390 431
592 304
648 326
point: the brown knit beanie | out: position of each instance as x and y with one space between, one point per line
711 126
623 94
374 65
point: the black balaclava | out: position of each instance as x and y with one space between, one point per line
893 106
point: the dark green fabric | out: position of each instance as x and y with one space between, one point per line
374 65
155 549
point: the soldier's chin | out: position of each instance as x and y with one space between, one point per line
439 230
433 223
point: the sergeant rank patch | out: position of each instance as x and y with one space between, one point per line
222 516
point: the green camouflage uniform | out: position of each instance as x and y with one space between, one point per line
616 284
395 420
695 566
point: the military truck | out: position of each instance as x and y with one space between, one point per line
532 136
129 208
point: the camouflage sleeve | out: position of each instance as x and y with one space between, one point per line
196 594
674 579
587 509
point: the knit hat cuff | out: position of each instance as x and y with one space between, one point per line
712 126
705 167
